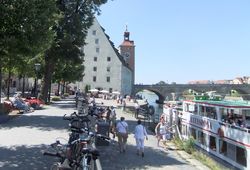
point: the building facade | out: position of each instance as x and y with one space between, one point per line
105 66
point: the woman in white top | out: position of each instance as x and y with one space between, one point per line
160 131
122 134
140 134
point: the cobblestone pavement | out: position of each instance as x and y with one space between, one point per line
23 138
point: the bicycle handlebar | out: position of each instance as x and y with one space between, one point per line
55 154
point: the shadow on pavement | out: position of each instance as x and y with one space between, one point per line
155 158
24 158
112 159
41 122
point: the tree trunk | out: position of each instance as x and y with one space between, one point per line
49 68
23 88
8 85
0 80
49 92
63 88
58 88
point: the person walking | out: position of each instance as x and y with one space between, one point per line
160 131
140 134
137 108
113 121
122 134
123 105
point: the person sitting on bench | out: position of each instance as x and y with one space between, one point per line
20 104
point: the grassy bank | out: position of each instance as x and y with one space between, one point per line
189 147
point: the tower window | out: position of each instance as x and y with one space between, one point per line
95 58
108 69
108 58
94 68
94 79
94 32
97 50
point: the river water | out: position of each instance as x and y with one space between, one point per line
151 98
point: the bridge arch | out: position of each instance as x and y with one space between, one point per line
155 91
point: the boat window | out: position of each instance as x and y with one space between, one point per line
223 113
223 147
185 107
210 112
212 143
246 118
193 132
202 138
231 150
241 156
202 110
190 108
232 117
184 130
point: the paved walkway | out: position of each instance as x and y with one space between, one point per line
23 138
155 157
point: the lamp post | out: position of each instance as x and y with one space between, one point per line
37 68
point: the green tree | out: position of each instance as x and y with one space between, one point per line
25 31
68 72
71 31
161 83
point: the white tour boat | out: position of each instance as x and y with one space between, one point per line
220 127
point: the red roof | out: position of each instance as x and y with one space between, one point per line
127 43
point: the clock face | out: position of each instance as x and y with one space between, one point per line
127 55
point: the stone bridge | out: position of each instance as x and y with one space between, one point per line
176 91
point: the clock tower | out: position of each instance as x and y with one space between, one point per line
127 51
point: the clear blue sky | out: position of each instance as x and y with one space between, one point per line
183 40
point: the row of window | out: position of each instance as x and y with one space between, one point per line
233 152
108 69
108 58
95 79
205 111
95 59
97 48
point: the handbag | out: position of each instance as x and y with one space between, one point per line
126 134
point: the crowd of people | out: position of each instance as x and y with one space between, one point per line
163 132
120 128
236 120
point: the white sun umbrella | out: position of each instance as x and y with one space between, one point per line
104 91
116 92
93 90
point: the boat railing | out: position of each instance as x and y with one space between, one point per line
244 129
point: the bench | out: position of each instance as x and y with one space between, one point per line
11 107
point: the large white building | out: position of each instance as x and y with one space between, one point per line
106 68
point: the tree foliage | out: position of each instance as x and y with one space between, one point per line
51 32
65 55
25 31
161 83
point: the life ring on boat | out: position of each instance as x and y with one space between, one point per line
220 132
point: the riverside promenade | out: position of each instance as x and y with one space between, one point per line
24 137
156 158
